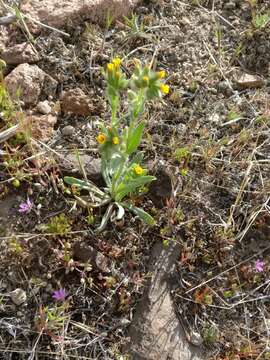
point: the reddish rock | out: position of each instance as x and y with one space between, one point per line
40 127
29 82
75 101
57 13
19 54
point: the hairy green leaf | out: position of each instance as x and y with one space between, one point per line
135 138
143 215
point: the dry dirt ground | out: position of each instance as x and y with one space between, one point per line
210 133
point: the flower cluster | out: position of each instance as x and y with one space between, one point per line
151 81
108 136
115 78
145 84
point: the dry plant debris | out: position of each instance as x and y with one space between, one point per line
210 134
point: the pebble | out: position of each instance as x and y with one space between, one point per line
229 6
44 108
68 130
224 88
18 296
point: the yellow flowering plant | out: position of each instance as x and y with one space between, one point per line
118 143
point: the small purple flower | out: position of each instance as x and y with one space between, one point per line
59 295
25 207
259 265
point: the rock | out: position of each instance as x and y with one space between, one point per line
215 118
44 107
87 254
3 38
68 130
92 166
41 126
30 81
229 6
161 189
224 88
58 13
18 296
248 81
155 332
19 54
75 101
185 21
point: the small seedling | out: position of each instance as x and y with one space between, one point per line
210 334
260 21
59 224
6 104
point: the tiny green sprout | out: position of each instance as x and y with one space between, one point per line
179 215
67 255
165 243
52 319
15 246
233 115
260 21
184 172
90 218
16 183
193 86
59 224
262 120
210 334
181 153
228 294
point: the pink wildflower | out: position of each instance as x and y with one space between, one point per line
25 207
259 265
59 295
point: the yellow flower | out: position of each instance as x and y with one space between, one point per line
101 138
164 88
115 140
161 74
145 79
110 67
117 74
138 170
117 62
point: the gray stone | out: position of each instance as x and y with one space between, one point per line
18 296
155 332
68 130
87 254
43 107
92 166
